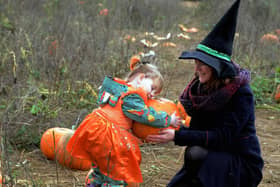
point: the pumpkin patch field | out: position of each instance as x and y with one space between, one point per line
159 161
55 54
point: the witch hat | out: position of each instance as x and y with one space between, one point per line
216 49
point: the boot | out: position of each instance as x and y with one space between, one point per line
93 185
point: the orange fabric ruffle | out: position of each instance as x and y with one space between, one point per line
114 150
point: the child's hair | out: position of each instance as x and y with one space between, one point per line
149 70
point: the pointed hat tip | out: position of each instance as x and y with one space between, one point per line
237 2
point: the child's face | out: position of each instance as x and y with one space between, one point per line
150 86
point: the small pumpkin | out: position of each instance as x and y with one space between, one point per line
50 139
1 182
162 104
65 159
269 38
277 94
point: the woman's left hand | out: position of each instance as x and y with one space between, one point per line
164 136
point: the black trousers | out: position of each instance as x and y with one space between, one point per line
193 159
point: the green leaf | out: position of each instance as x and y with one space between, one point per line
34 109
2 106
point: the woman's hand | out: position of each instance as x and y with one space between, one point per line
175 120
164 136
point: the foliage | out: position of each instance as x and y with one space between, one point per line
262 88
26 138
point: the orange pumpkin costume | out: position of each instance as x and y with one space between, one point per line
104 136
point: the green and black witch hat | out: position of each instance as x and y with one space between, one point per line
216 49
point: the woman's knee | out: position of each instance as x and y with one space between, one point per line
196 153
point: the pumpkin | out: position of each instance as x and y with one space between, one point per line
50 139
183 114
65 159
1 181
277 94
162 104
269 38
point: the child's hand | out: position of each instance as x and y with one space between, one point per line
175 120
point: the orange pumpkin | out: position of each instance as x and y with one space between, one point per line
269 38
162 104
183 114
277 95
1 182
50 139
65 159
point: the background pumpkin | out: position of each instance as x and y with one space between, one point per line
50 139
277 94
65 159
162 104
1 182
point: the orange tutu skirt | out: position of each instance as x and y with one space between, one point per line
115 151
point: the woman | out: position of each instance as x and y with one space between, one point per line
222 147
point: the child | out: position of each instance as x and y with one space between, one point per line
105 135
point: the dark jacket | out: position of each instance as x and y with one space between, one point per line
234 155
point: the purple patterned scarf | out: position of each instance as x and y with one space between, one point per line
196 98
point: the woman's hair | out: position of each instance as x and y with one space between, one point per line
149 70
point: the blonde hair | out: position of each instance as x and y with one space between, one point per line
150 71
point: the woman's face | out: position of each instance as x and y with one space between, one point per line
203 71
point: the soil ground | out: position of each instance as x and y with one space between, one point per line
160 162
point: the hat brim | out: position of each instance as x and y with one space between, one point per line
205 58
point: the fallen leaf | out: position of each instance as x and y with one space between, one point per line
162 38
150 53
149 33
271 117
190 30
169 44
185 36
148 43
